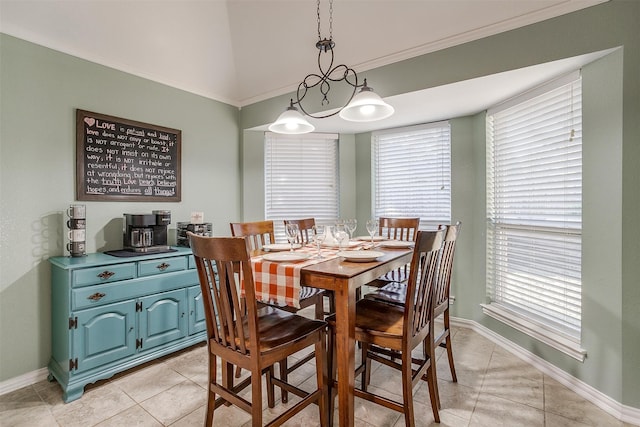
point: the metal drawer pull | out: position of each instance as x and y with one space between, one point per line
163 266
106 274
97 296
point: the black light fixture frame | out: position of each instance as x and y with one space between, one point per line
324 80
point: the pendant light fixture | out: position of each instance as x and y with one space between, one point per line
365 106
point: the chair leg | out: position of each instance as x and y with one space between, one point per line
271 401
449 347
331 369
321 379
256 398
432 382
283 376
211 396
320 308
407 391
227 377
365 379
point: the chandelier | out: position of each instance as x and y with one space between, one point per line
362 106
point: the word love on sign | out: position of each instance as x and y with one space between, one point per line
124 160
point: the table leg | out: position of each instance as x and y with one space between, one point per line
345 347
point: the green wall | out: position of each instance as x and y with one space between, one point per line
611 250
40 90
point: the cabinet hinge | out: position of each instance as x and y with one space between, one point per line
139 306
138 343
73 323
73 364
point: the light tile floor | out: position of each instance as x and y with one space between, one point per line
494 388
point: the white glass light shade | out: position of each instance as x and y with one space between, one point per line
366 106
291 122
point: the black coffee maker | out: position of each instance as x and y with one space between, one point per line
146 233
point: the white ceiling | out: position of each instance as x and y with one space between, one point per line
244 51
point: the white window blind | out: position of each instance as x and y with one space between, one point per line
534 213
301 178
412 173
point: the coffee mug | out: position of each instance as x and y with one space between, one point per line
76 248
77 235
77 211
77 223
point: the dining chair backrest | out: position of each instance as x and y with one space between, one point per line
305 225
398 228
241 335
218 262
420 285
259 233
443 279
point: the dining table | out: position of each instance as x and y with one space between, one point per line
343 276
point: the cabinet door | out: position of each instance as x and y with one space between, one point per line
197 322
163 318
104 334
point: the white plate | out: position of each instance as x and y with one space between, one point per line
360 256
397 244
285 256
274 247
368 238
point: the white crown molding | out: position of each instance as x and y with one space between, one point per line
614 408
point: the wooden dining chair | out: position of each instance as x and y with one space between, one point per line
389 332
394 229
305 226
252 337
260 233
395 292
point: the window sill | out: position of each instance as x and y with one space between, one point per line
536 330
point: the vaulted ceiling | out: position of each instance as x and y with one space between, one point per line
243 51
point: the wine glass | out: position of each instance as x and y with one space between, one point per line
319 235
372 228
293 232
341 235
351 225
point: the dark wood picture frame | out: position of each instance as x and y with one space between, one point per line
125 160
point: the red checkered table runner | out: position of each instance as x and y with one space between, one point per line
279 282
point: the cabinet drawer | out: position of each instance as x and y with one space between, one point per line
103 274
161 265
192 261
112 292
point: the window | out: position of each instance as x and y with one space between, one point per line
411 170
301 178
534 214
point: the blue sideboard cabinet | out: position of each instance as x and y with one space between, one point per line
113 313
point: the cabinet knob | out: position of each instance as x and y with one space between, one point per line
97 296
106 274
163 266
131 329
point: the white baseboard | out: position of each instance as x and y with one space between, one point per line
622 412
23 380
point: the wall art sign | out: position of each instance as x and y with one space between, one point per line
125 160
